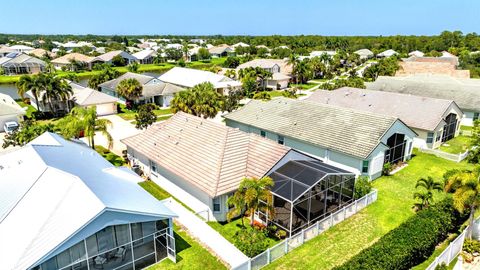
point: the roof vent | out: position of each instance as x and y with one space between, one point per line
155 144
1 167
363 94
19 162
176 142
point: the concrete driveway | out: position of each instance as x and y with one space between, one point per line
120 130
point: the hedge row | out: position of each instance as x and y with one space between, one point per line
412 242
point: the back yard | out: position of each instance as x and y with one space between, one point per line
394 206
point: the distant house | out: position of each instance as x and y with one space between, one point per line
145 56
19 63
280 70
434 120
220 51
39 53
446 64
9 110
21 48
364 53
86 61
108 57
240 44
465 92
82 97
187 78
387 53
71 45
154 90
4 50
205 174
320 53
82 212
263 47
416 54
358 141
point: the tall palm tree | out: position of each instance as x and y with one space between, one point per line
202 100
465 186
252 195
55 89
85 119
25 84
293 60
131 89
429 185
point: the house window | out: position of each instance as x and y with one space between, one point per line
153 167
281 140
365 166
262 133
216 205
430 137
475 116
439 136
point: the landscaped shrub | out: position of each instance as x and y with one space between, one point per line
441 266
363 186
471 246
412 242
387 168
251 242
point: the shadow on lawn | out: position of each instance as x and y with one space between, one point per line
180 245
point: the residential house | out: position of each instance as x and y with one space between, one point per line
39 53
65 207
21 48
153 90
71 45
364 53
320 53
4 50
465 92
239 44
221 51
434 120
281 71
205 174
187 78
416 54
145 56
358 141
108 57
387 53
85 61
9 110
446 64
16 63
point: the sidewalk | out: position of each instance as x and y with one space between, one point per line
225 250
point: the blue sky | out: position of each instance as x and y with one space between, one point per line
242 17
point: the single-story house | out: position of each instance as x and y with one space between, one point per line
70 45
65 207
87 97
221 51
387 53
465 92
22 48
446 65
154 90
187 78
19 63
434 120
416 54
364 53
40 53
65 61
240 44
358 141
4 50
145 56
211 171
280 70
263 47
320 53
108 57
9 110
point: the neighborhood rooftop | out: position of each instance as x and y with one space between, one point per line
352 132
142 79
209 155
85 96
465 92
431 110
52 188
188 77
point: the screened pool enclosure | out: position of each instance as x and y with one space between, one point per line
306 191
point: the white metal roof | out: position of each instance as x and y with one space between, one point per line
188 77
52 188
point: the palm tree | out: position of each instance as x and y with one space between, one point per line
293 60
25 84
131 89
252 195
202 100
85 119
465 186
55 89
426 196
231 73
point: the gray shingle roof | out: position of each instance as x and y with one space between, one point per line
161 88
417 112
352 132
465 92
112 84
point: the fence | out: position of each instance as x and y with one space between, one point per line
314 230
451 252
444 155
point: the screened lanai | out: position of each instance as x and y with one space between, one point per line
306 191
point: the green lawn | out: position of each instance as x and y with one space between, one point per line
229 229
466 128
190 255
304 86
457 145
111 157
129 115
30 108
393 207
159 193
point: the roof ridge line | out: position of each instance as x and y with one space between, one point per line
222 157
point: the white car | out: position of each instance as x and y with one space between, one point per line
10 127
